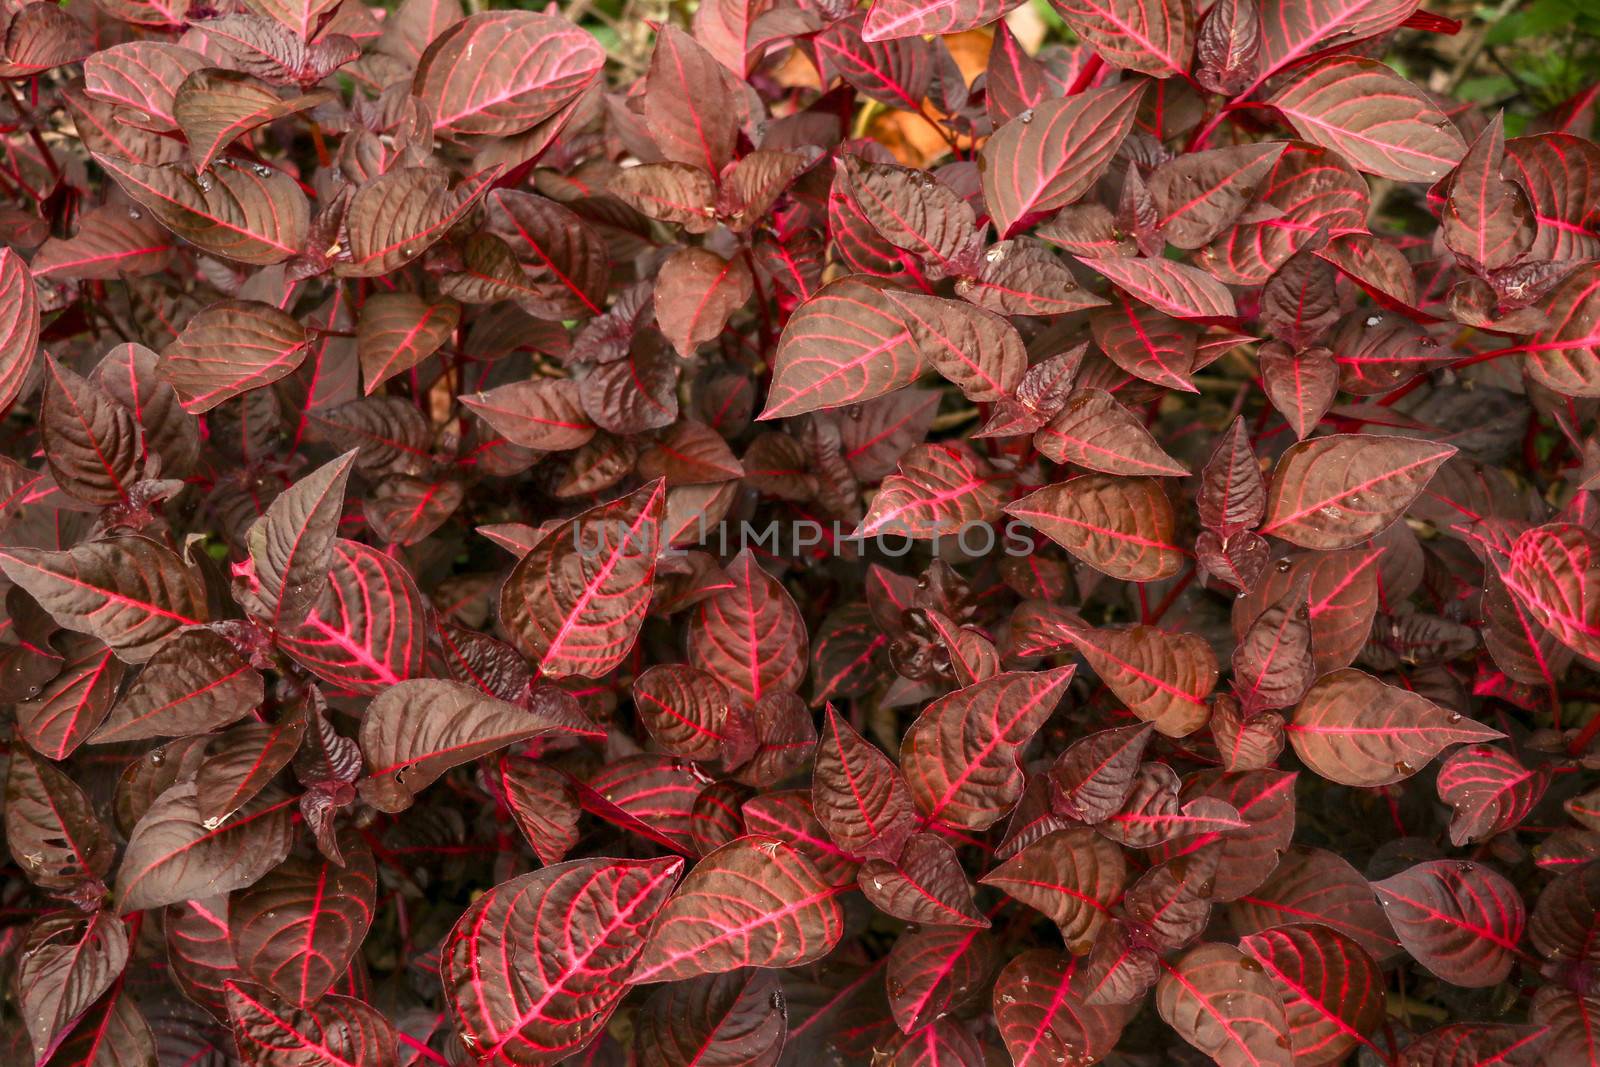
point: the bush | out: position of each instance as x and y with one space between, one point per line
857 541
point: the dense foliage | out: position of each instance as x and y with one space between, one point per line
847 537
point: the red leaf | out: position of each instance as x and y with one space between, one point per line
750 637
1489 790
577 928
367 630
858 793
1229 1010
340 1031
1334 492
1460 920
1333 993
1045 1017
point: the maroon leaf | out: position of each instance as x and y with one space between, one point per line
242 761
1146 343
1314 886
1201 194
750 636
51 828
576 601
502 72
690 103
1171 288
1119 526
1227 1009
367 630
1152 38
1334 492
890 19
1333 993
788 816
1042 1006
66 963
913 212
1095 432
925 885
543 803
1487 220
932 972
1460 920
976 349
846 344
737 1019
939 489
1301 385
858 793
538 1004
194 683
173 855
1072 877
1293 29
1092 779
1050 155
960 756
129 592
1163 678
415 731
297 930
337 1030
1373 117
1566 915
230 348
399 330
696 293
291 548
1489 790
754 902
93 445
67 709
1354 729
19 325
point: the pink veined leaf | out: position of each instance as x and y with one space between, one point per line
788 816
1097 433
1373 117
1024 277
1301 385
1122 527
243 760
142 78
1460 920
960 756
1333 992
173 855
934 971
51 828
1334 492
926 885
1155 814
1263 801
398 330
1050 155
891 19
396 216
1072 877
1353 729
1154 37
94 446
1272 663
686 710
1565 356
1092 779
1554 571
978 350
1147 343
297 930
858 794
895 73
1163 678
1229 1011
214 108
1487 219
1560 172
1489 790
754 902
653 793
541 413
1309 188
1294 29
66 962
108 244
416 730
1201 194
542 802
1167 908
248 214
737 1019
337 1030
1566 914
1174 289
64 711
230 348
914 212
129 592
19 325
1570 1021
1343 596
538 1004
368 630
497 73
691 103
750 637
1315 886
1045 1016
1478 1043
846 344
696 292
939 489
576 601
291 547
1232 494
